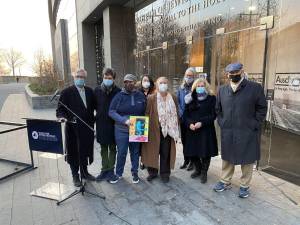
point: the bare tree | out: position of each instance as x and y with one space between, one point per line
39 62
3 69
14 59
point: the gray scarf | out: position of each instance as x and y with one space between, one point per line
106 89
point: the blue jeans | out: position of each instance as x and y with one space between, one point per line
122 141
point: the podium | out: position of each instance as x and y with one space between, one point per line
46 136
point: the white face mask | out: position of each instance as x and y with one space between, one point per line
146 84
162 87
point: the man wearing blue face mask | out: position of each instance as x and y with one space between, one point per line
104 124
79 99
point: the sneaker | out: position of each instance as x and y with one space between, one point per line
220 186
135 178
102 176
114 179
244 192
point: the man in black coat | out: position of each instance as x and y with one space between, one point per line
241 108
104 124
79 136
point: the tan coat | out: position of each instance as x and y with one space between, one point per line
150 150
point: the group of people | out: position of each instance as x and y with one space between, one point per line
188 118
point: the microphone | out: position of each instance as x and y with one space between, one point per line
54 95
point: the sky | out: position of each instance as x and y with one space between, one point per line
24 25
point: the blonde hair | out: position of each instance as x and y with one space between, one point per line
156 83
206 85
161 78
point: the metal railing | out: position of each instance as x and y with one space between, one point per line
26 166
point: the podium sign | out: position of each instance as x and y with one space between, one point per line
45 136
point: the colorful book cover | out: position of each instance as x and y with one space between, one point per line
139 128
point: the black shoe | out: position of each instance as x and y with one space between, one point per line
151 177
76 181
184 165
142 166
87 176
195 174
102 176
165 179
190 167
203 177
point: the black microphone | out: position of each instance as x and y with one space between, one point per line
54 95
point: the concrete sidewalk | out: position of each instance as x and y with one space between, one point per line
182 201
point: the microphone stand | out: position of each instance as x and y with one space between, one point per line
82 189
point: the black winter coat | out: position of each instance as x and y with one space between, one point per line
240 115
203 141
79 133
104 124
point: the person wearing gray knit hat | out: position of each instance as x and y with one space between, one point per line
130 77
128 102
129 82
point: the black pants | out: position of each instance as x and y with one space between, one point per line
75 169
201 164
183 131
165 154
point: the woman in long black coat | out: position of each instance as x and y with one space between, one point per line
201 141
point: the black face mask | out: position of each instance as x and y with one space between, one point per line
235 78
129 87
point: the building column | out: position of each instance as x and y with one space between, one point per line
119 39
89 53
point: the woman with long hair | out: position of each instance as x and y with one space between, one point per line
201 140
147 85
